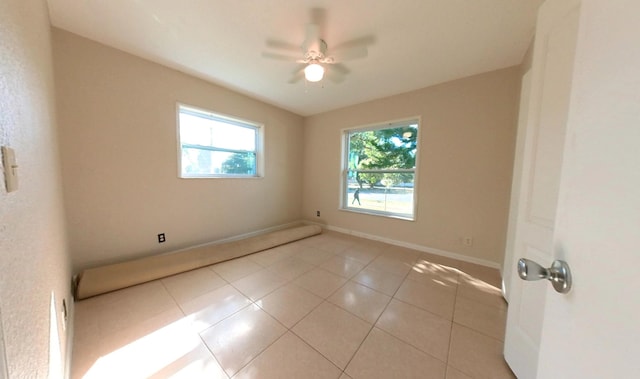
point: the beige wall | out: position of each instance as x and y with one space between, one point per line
466 147
527 60
34 264
117 116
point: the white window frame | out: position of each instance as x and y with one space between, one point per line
344 197
205 113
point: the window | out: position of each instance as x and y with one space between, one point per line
380 168
213 145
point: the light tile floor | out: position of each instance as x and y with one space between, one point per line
329 306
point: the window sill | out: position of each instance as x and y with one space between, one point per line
221 177
379 214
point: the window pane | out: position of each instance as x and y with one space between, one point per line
213 145
388 192
196 162
196 130
380 169
384 148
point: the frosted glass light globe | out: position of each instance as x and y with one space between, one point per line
314 72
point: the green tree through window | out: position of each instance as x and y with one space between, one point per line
214 145
382 161
239 163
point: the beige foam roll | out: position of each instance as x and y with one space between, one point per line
99 280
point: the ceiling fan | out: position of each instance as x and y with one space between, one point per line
316 60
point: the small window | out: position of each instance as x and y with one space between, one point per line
380 169
212 145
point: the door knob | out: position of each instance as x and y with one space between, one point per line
558 274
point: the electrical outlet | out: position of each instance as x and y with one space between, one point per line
161 238
467 241
317 213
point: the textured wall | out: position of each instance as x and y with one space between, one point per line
466 143
34 266
117 116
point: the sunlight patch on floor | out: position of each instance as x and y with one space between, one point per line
149 354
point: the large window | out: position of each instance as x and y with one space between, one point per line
212 145
380 169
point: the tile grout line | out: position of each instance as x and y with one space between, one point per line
171 295
463 326
409 343
307 314
373 325
415 306
252 303
341 247
314 349
204 343
276 320
212 354
455 301
325 300
259 353
476 302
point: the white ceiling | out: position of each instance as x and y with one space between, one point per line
418 43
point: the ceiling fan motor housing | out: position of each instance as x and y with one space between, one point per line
317 53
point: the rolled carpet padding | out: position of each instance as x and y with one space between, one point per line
99 280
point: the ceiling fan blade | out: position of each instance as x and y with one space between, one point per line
319 18
300 68
349 54
296 77
312 39
334 76
357 42
280 57
353 49
282 45
339 68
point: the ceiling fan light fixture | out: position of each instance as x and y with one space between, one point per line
314 72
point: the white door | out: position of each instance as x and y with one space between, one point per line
508 265
545 120
592 332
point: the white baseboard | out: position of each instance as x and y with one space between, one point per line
426 249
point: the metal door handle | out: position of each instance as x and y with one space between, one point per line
558 274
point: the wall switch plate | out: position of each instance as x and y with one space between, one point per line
10 168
